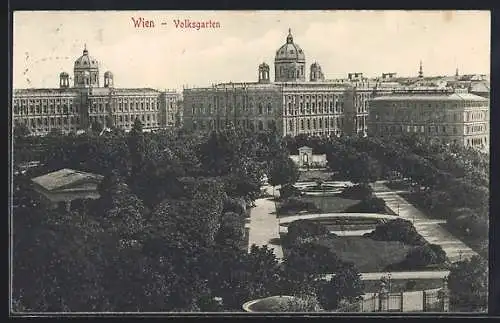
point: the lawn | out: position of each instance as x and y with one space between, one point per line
313 175
331 204
368 255
399 285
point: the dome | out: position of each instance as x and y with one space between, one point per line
63 74
264 65
108 73
290 51
86 61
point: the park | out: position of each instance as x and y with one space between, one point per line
184 223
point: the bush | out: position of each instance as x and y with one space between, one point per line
303 230
369 205
297 205
236 205
421 257
357 192
410 285
397 230
469 223
289 191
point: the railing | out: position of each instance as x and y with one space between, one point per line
418 301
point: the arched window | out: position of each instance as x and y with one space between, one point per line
314 123
308 124
290 125
269 108
260 108
261 125
301 124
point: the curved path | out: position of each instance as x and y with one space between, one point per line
346 233
377 216
400 275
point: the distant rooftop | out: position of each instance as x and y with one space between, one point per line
64 178
430 97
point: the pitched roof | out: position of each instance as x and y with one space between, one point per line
431 97
63 178
480 87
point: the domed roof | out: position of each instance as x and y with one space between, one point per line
86 61
108 73
290 51
263 65
63 74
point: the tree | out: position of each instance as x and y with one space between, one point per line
300 303
361 168
288 191
231 231
282 171
137 147
70 250
310 259
97 127
345 285
20 131
468 284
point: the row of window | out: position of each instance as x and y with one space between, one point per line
322 109
56 121
308 124
43 101
408 128
261 109
435 105
127 118
125 107
330 97
247 124
65 109
475 128
291 72
474 116
86 79
477 142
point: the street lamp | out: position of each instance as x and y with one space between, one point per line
389 281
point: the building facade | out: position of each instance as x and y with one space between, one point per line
76 108
443 114
290 104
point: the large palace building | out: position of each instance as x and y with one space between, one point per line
291 104
294 104
446 115
76 107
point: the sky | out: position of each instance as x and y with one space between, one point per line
166 57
